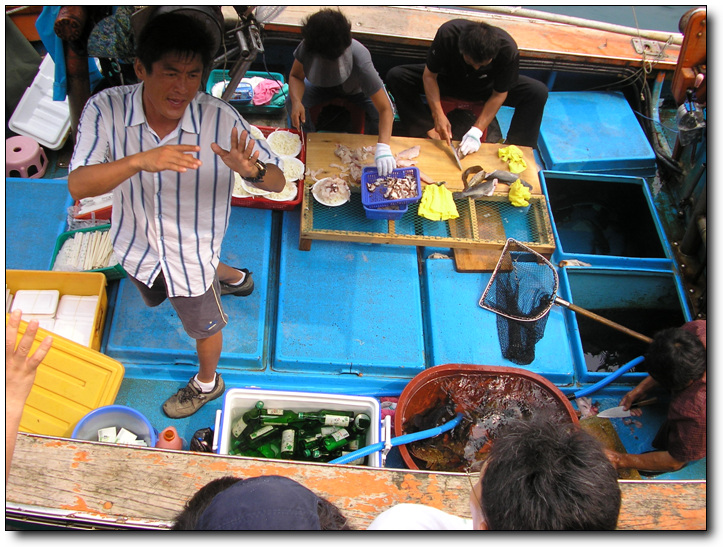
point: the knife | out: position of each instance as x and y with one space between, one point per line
618 412
454 153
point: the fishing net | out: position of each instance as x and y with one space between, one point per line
521 292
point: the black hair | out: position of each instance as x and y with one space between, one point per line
479 42
194 508
675 358
546 475
330 517
173 32
327 33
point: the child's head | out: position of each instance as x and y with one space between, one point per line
327 33
543 475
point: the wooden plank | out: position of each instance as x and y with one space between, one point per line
536 38
434 158
121 484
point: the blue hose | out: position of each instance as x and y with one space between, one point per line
402 439
605 381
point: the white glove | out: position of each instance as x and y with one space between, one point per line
384 159
471 141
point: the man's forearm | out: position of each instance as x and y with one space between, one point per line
95 180
650 461
490 109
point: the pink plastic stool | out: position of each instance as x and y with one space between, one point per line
24 158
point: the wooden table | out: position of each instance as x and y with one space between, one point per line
435 158
436 163
113 486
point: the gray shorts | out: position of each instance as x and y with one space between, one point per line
202 316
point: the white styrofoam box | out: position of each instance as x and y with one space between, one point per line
37 115
77 307
47 323
77 330
36 302
239 400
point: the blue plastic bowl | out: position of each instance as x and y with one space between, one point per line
115 416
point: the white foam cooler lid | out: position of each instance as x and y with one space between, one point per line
37 115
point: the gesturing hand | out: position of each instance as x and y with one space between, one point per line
241 156
20 367
171 157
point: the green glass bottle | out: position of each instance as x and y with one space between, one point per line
274 416
356 442
269 450
256 438
341 418
361 422
358 461
288 443
336 440
254 413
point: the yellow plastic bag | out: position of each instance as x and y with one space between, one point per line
437 203
514 157
519 194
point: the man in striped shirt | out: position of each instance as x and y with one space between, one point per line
169 154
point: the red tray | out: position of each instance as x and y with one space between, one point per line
259 202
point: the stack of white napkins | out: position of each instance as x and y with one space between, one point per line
71 316
111 435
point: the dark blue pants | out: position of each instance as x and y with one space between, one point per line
527 97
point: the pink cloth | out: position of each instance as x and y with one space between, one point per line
265 90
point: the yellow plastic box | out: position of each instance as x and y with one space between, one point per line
71 381
74 283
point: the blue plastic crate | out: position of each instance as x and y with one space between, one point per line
393 212
245 105
375 199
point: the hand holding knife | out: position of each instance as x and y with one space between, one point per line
619 412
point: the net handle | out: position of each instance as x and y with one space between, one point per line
601 319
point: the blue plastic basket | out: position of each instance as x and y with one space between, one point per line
395 212
221 75
375 199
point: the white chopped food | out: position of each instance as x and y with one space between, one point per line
256 133
284 143
238 189
293 169
287 194
249 187
331 191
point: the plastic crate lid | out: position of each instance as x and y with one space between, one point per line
71 381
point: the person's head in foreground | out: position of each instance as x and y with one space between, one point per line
258 503
542 475
676 358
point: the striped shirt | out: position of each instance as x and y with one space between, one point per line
168 221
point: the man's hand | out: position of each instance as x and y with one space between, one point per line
171 157
384 159
471 141
20 367
241 157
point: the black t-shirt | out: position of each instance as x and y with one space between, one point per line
445 59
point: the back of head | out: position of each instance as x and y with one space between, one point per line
327 33
173 33
479 42
543 475
675 358
258 503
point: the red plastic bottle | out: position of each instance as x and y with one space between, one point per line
169 439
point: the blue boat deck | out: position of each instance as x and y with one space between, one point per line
352 318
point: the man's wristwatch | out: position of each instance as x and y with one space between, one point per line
261 166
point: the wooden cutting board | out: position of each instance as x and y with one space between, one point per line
435 158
